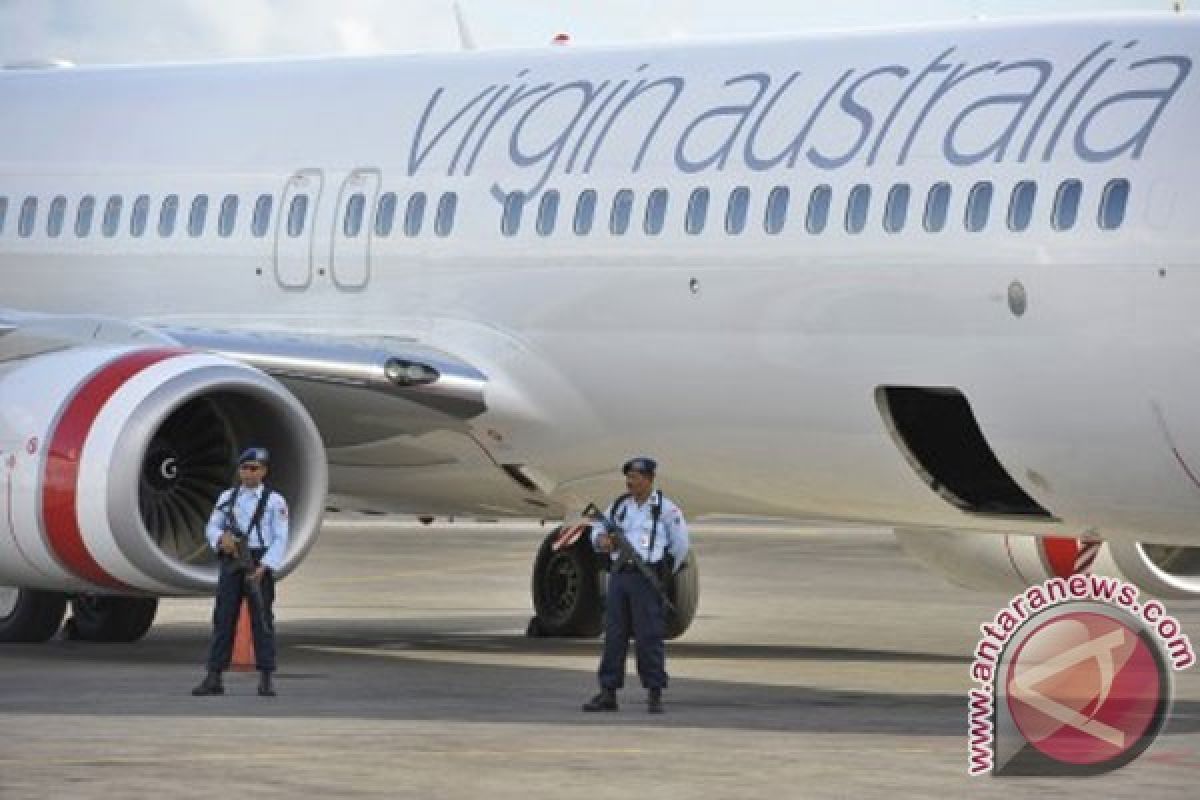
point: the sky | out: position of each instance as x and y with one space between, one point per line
133 31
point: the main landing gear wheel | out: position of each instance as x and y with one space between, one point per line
569 589
568 586
30 615
684 590
99 618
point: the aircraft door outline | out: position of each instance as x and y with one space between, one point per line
295 227
354 230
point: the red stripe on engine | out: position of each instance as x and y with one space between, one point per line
1060 554
60 489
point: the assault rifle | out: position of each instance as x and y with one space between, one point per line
627 555
243 561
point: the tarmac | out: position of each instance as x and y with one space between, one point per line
822 663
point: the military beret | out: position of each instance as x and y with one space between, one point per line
642 464
258 454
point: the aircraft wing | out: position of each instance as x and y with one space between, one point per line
401 370
418 385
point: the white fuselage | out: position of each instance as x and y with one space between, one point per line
746 362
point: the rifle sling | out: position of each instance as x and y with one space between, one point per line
256 520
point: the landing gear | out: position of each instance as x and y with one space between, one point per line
99 618
30 615
684 590
568 587
569 581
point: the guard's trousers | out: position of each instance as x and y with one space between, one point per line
231 588
633 604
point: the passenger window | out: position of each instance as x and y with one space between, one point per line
777 206
1112 205
353 221
697 211
83 216
28 218
112 216
979 206
819 203
857 206
54 220
656 212
3 212
228 218
510 218
622 212
139 216
1020 206
937 207
1066 205
297 214
262 215
166 217
198 215
585 212
547 213
895 215
737 211
444 223
385 214
414 214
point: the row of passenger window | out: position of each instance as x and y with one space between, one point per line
976 213
167 212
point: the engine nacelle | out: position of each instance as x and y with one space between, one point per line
1010 562
111 459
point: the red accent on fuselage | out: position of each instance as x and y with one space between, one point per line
1060 554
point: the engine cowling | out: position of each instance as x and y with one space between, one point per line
1011 562
111 459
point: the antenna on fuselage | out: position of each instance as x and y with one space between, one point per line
464 33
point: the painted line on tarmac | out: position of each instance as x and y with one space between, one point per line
243 756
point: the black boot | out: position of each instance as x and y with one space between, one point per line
265 687
210 685
654 701
605 701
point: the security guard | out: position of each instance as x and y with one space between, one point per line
261 515
654 527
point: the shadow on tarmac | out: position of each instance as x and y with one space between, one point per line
416 670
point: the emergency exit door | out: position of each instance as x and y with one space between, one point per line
294 229
354 229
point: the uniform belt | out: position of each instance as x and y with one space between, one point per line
629 566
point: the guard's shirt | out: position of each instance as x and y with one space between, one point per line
638 520
271 533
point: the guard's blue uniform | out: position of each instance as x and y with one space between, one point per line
268 545
632 601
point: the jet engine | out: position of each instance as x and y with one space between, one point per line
1011 562
111 459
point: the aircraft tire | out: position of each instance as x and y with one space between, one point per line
98 618
30 615
568 590
684 590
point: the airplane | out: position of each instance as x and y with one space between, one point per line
940 277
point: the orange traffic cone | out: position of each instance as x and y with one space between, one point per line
243 642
